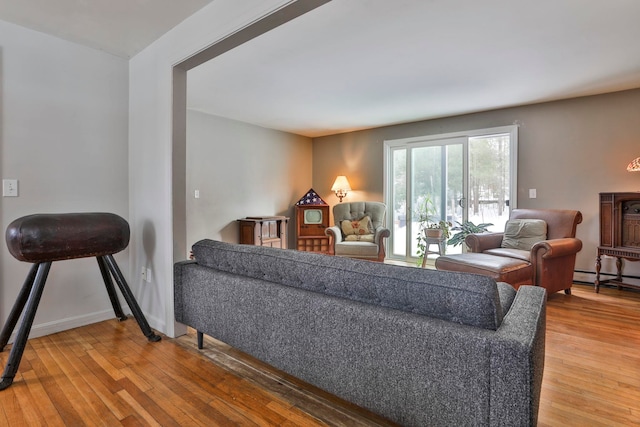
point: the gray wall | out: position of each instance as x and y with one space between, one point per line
63 122
568 150
241 170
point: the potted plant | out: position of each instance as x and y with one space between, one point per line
466 228
431 227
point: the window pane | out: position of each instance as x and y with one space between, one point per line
426 184
399 202
489 180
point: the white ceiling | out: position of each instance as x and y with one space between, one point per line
120 27
355 64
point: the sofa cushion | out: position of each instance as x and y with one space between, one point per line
524 233
507 295
514 271
457 297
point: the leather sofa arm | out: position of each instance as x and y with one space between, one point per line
556 248
479 243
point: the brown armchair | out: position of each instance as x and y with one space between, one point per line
549 263
364 246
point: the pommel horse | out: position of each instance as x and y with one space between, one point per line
43 238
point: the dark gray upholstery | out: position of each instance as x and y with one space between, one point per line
420 347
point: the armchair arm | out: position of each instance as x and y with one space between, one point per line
335 236
380 233
553 262
479 243
334 232
556 248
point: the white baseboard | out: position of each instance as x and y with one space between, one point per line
586 277
42 329
155 323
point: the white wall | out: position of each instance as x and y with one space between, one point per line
241 170
150 144
150 148
63 121
568 150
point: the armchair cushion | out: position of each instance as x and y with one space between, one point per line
524 233
359 238
511 253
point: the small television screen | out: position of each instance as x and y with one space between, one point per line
313 216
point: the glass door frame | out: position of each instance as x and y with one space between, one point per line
442 140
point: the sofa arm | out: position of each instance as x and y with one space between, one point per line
479 243
178 294
555 248
517 360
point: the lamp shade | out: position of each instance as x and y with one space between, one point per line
634 166
341 183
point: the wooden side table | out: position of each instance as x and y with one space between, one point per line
619 233
620 254
264 231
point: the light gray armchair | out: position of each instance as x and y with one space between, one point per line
355 236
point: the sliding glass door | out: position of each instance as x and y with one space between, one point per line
463 177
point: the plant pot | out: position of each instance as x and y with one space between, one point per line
433 233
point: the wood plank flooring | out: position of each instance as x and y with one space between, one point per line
108 374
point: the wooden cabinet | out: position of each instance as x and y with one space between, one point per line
311 221
619 233
264 231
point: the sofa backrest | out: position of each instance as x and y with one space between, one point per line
457 297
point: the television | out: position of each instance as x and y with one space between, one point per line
313 216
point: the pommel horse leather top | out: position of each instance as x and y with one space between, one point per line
43 238
56 237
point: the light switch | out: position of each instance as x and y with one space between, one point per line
532 193
9 188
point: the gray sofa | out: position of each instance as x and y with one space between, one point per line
419 347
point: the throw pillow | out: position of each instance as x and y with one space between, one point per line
524 233
357 227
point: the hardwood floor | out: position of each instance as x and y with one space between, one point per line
108 374
592 361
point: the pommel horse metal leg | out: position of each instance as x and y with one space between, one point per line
130 298
16 311
44 238
115 302
36 287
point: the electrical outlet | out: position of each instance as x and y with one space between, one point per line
148 279
144 274
9 188
532 193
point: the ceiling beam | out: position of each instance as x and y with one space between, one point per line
265 24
